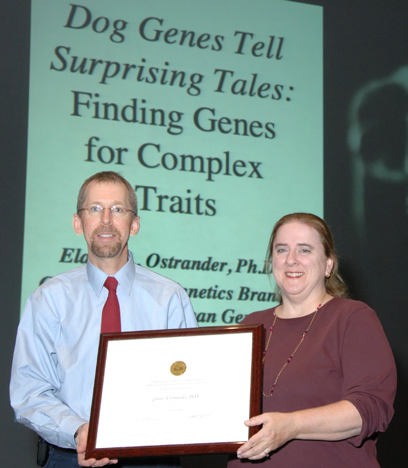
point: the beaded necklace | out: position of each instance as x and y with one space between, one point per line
293 353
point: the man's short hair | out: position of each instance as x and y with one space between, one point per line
104 178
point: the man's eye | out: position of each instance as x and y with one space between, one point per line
95 209
117 209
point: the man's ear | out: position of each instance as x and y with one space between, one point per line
134 228
77 224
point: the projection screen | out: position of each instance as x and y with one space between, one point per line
213 110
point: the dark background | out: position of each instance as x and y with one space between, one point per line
365 41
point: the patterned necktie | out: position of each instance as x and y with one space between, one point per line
111 312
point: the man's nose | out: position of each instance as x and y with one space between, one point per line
106 216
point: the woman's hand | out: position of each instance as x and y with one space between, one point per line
337 421
278 428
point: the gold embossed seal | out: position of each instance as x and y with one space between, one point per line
178 368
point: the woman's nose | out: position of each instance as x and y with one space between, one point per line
291 258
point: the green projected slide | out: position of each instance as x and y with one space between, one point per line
213 110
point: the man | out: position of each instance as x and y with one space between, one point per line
57 341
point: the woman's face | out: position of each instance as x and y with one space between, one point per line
299 263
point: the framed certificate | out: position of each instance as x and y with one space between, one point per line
175 392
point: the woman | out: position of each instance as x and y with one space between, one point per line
329 373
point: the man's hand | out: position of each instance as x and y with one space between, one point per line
81 439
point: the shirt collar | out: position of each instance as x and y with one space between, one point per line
125 276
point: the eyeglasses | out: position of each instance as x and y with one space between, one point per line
117 211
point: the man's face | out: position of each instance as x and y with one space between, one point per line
106 235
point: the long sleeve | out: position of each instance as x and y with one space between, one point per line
36 378
369 371
345 356
57 341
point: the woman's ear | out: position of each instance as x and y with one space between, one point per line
329 267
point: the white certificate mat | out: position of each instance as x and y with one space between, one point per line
175 391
